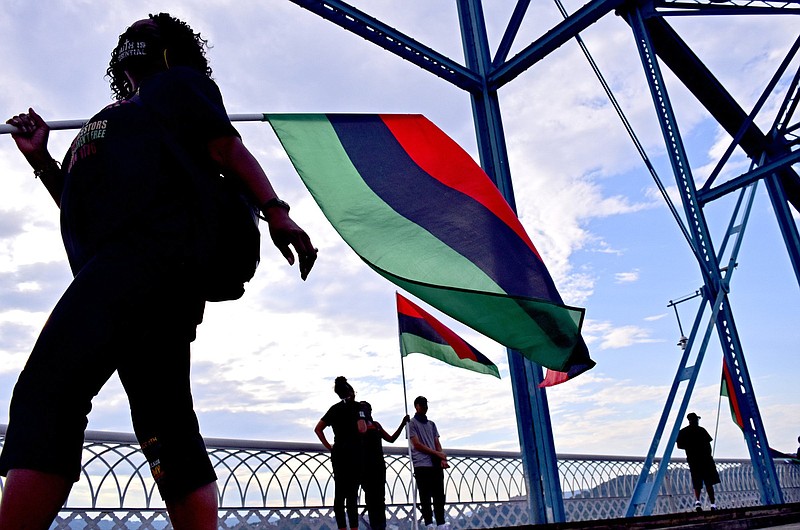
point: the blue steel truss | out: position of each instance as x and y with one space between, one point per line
772 154
656 39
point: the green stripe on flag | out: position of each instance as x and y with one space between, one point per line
410 343
542 331
345 199
491 316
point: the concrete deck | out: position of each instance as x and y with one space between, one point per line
783 517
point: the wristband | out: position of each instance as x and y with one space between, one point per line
37 173
274 202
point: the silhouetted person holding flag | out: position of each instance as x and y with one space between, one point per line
127 220
373 472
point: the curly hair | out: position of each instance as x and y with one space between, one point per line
186 48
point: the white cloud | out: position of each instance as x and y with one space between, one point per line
609 336
627 277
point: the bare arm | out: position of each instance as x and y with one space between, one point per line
319 431
235 160
422 448
391 438
32 143
443 461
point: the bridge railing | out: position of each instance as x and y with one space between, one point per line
280 485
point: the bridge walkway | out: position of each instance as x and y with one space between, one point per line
780 517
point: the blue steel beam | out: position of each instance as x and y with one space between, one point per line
769 150
562 33
786 223
533 415
688 9
776 165
392 40
784 115
720 104
510 34
715 288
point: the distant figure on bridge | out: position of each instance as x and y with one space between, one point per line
373 473
429 462
348 422
128 221
797 454
696 441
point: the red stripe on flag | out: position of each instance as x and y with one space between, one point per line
458 344
732 395
553 378
443 159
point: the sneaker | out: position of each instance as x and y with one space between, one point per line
713 507
445 526
698 507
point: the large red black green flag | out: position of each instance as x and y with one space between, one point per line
421 333
420 212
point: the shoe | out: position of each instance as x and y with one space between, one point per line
698 507
713 507
445 526
430 526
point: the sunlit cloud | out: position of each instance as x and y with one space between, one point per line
626 277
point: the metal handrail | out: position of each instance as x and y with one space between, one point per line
271 483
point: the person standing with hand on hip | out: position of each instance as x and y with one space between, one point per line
348 420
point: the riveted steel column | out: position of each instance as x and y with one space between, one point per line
715 290
533 414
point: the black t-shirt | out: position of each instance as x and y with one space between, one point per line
373 444
696 441
343 418
123 181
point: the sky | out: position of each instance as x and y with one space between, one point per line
264 366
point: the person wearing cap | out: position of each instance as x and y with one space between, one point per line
696 441
429 462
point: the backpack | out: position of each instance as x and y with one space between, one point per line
226 237
225 241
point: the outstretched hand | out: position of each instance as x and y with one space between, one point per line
286 234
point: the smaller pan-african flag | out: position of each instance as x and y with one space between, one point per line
421 333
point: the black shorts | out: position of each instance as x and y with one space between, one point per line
703 472
123 312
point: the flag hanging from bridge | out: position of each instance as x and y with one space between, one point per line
420 212
728 390
421 333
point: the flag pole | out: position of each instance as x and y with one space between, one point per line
61 125
408 441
